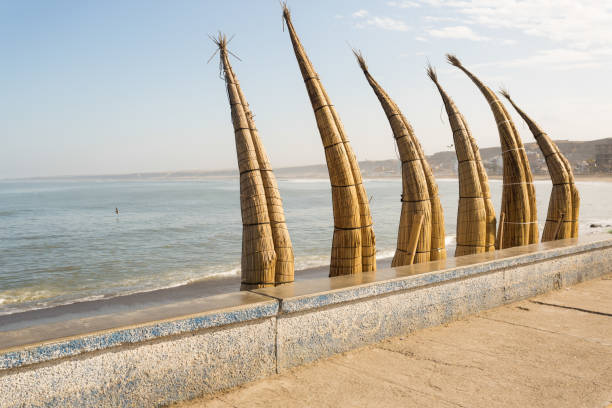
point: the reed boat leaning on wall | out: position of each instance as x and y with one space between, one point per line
564 204
475 213
267 253
353 244
420 236
518 215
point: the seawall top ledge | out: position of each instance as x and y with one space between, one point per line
45 342
305 295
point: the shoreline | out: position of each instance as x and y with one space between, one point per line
130 302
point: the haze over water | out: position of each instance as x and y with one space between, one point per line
61 242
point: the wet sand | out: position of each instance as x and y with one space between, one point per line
119 304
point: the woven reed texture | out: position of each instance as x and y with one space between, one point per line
417 223
518 198
284 271
564 203
415 202
533 225
438 235
471 213
368 239
353 244
259 258
486 191
499 243
419 190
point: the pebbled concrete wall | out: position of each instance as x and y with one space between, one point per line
151 374
273 329
321 332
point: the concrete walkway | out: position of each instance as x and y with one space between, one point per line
551 351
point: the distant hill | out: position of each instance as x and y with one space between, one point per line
592 158
587 158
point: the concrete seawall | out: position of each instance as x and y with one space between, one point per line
158 355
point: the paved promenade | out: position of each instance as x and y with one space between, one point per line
551 351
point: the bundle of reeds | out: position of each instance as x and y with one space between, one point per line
475 219
422 219
353 244
564 204
284 271
518 195
267 253
438 234
486 192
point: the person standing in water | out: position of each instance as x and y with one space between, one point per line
116 211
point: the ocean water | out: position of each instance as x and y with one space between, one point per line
61 242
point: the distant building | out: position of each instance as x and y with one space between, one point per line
494 165
537 163
603 158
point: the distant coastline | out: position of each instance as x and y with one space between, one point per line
591 161
322 177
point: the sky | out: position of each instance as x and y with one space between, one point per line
112 87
